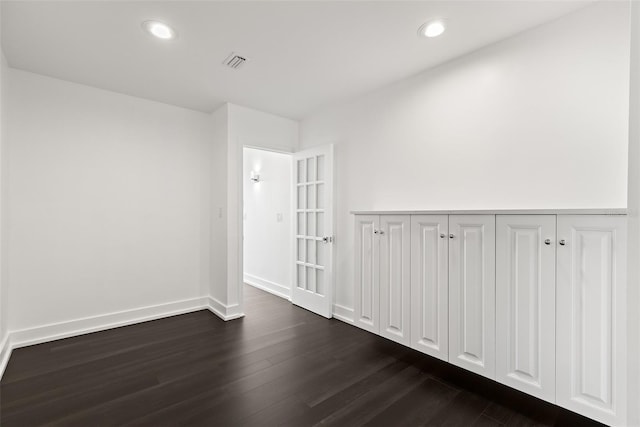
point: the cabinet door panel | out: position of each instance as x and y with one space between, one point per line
591 313
525 303
472 293
430 285
367 246
395 285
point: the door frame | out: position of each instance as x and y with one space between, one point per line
291 209
235 255
239 216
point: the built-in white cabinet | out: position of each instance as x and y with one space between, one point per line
430 285
367 286
526 303
472 288
383 247
591 317
534 301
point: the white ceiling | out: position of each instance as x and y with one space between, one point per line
303 55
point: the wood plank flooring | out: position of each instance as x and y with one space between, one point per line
280 365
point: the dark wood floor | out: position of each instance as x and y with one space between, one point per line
280 365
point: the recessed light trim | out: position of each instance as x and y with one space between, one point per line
159 29
432 29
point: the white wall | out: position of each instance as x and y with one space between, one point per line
109 201
258 129
535 121
267 221
3 205
633 276
218 202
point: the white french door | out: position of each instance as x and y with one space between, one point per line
313 222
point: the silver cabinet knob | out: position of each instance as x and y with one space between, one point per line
562 242
442 236
547 242
451 236
381 232
375 231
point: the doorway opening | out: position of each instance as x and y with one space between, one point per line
267 221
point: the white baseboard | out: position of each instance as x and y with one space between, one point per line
56 331
5 353
223 311
343 313
268 286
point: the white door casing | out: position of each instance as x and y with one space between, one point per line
367 286
395 272
591 317
525 303
430 285
472 293
313 218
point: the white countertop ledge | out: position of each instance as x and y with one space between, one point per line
613 211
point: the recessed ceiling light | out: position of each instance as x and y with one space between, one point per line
432 29
159 30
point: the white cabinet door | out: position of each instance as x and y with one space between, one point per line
395 274
591 317
430 285
525 303
472 288
367 248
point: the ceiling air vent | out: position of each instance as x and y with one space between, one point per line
234 61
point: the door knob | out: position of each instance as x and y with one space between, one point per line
451 236
442 236
547 242
381 232
375 231
327 239
562 242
